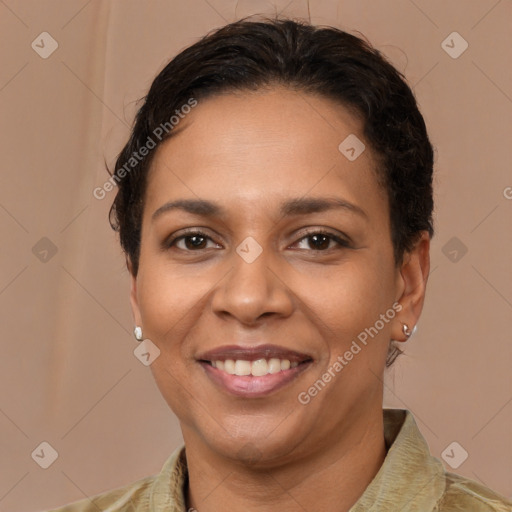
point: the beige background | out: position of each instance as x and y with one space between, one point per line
68 373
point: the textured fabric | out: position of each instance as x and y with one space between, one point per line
409 480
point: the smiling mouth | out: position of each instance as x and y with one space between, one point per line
253 371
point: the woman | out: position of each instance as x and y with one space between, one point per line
275 207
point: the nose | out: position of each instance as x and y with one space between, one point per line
252 291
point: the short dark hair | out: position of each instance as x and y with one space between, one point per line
252 55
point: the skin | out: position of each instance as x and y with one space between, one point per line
249 153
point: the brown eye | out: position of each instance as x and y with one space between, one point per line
321 241
194 241
191 241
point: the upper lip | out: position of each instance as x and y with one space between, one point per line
240 352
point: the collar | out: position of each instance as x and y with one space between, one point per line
409 474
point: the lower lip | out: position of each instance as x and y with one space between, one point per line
253 387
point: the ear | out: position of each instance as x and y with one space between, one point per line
134 301
411 283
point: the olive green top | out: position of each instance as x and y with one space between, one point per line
410 479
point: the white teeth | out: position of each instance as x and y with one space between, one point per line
256 368
274 365
242 367
259 368
229 366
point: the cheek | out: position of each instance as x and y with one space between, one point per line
167 303
175 305
348 310
350 295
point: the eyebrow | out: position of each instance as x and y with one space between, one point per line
297 206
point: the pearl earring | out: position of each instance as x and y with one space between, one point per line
406 330
137 332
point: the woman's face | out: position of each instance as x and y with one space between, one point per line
276 260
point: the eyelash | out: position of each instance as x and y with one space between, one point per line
168 244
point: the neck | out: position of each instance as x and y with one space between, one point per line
329 479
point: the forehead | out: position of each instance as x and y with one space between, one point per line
251 148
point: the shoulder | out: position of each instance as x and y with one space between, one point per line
462 493
133 497
163 491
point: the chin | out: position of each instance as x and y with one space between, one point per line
269 446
